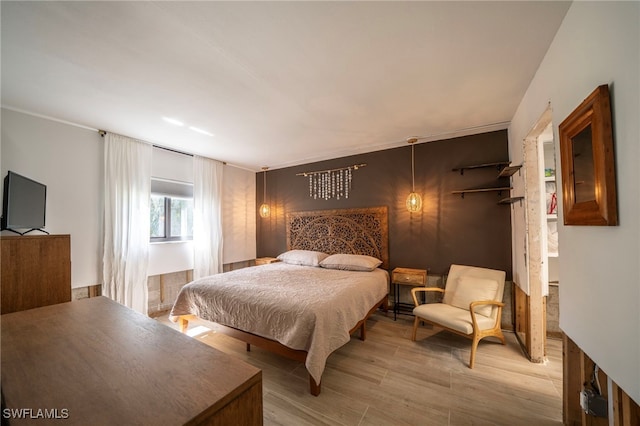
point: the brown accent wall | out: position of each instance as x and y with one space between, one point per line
473 230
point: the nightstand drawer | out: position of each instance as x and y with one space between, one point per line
266 260
408 276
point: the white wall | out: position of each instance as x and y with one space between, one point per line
238 215
599 270
69 160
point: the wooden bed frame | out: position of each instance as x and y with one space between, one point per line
356 231
277 347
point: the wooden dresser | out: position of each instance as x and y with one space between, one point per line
97 362
35 271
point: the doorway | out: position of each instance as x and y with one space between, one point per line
536 307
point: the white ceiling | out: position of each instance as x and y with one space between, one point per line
277 83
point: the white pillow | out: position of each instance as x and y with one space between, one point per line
472 289
302 257
351 262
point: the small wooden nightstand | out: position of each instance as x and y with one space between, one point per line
405 276
266 260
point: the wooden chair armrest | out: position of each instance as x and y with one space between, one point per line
485 302
415 290
472 305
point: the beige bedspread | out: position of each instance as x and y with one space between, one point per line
302 307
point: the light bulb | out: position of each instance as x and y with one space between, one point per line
265 210
414 202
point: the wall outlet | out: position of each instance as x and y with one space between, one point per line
584 401
593 404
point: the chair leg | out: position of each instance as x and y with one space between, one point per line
415 328
474 346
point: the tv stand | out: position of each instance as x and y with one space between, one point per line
36 271
25 232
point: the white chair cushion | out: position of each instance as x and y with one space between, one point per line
472 289
452 317
457 271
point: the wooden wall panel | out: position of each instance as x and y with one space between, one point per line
626 412
577 371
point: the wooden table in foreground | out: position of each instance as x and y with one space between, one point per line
96 362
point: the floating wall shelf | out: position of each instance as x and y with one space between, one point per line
509 170
499 165
504 170
468 191
510 200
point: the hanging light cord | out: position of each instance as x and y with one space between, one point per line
264 187
413 181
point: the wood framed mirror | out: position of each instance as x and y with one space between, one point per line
588 163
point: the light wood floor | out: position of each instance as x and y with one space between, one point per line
390 380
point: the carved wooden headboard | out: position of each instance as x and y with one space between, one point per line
353 231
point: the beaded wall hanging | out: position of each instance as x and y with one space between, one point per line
333 183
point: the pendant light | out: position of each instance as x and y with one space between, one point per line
264 208
414 201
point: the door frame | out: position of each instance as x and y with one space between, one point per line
532 331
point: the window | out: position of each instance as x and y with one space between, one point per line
171 215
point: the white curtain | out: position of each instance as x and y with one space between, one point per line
207 216
127 191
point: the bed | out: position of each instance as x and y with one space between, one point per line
306 306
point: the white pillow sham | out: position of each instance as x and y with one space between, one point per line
351 262
302 257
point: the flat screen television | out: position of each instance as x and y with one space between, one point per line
24 203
